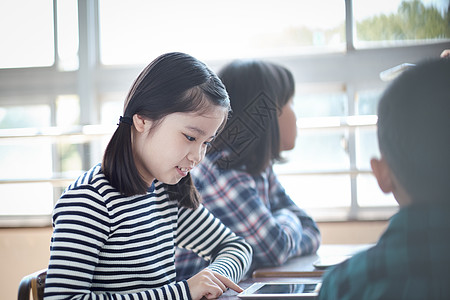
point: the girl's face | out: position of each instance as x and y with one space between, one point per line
287 122
170 150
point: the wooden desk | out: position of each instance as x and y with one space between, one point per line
297 269
303 266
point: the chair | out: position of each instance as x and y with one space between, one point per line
35 283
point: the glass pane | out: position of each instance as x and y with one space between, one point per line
322 191
369 193
25 116
393 22
218 30
26 199
366 147
67 34
26 27
67 110
320 105
70 158
18 154
367 102
317 150
34 156
111 108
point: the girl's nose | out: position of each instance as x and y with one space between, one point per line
196 155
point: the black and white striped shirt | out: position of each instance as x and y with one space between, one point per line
107 246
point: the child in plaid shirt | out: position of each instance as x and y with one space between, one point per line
236 179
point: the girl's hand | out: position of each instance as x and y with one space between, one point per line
445 53
210 284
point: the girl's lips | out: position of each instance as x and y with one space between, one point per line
183 171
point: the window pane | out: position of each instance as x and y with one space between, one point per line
366 147
320 105
68 34
26 28
317 150
216 30
393 22
323 191
17 156
369 193
111 108
70 158
67 110
367 102
26 199
25 116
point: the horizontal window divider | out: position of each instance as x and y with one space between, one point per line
354 172
104 130
326 123
346 214
60 182
87 131
320 214
16 221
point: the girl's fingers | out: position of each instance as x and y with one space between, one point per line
229 283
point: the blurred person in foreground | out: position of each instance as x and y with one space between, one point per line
411 259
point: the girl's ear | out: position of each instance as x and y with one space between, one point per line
139 123
383 174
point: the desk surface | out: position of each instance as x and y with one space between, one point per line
298 268
302 266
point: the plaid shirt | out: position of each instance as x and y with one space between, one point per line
410 261
255 207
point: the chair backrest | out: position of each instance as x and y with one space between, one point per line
35 283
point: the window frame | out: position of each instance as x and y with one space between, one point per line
362 68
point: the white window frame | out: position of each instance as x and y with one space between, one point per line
356 70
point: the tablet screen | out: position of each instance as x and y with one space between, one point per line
281 290
287 288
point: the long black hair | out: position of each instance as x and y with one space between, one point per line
258 91
173 82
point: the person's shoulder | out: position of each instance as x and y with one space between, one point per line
92 184
349 278
86 179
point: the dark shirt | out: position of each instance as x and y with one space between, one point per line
410 261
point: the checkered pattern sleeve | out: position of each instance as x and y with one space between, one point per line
258 209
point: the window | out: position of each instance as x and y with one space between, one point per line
330 165
136 31
67 38
21 160
62 87
395 22
30 44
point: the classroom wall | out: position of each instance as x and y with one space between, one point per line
26 250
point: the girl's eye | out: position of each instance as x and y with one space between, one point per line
190 138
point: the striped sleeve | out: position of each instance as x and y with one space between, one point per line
83 227
201 232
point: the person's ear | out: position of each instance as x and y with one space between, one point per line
140 123
383 174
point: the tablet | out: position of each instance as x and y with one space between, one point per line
281 290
